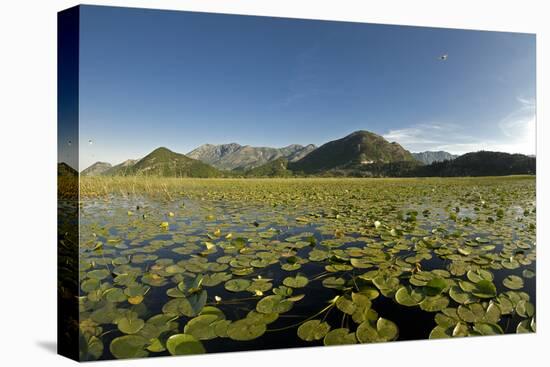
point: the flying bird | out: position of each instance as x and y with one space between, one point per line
443 57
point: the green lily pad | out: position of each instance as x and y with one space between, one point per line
201 327
434 303
237 285
346 305
299 281
525 308
484 328
156 346
513 282
440 332
90 285
459 296
184 344
98 274
435 286
313 330
339 336
334 282
129 346
130 325
525 326
480 274
273 304
384 330
485 289
245 329
471 313
408 296
115 295
460 330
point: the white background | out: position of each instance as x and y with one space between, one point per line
28 181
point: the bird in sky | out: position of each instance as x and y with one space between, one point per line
443 57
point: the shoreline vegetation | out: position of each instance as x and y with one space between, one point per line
171 187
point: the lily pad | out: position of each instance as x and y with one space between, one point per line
245 329
130 324
184 344
434 303
408 296
273 304
237 285
513 282
201 327
299 281
384 330
339 336
98 274
485 289
129 346
313 330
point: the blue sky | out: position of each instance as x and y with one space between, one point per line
176 79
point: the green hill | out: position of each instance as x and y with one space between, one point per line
276 168
63 169
356 150
482 163
165 163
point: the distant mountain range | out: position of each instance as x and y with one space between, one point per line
97 169
234 156
429 157
361 153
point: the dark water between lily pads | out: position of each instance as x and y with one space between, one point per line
353 265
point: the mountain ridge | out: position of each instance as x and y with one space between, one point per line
234 156
356 149
430 156
359 154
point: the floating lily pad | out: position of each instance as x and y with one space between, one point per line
434 303
484 328
98 274
90 285
384 330
246 329
201 327
485 289
408 296
346 305
129 346
459 296
184 344
313 330
525 308
480 274
273 304
513 282
115 295
299 281
333 282
440 332
130 324
237 285
339 336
